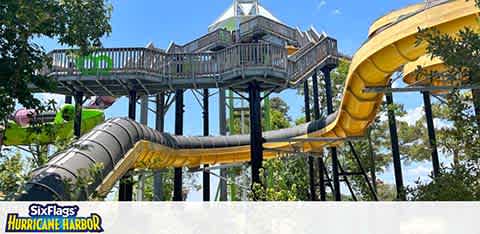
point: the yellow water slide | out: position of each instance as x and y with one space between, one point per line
372 65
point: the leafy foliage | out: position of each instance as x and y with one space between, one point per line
12 176
460 138
71 22
461 183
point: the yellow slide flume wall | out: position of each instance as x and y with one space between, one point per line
372 65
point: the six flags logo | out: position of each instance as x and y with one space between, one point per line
53 218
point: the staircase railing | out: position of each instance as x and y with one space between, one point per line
310 59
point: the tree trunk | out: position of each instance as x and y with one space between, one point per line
456 158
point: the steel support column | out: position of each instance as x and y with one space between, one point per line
372 160
316 116
206 175
364 172
256 139
311 159
143 120
68 99
316 101
77 122
159 126
397 163
333 150
223 131
126 184
431 133
179 109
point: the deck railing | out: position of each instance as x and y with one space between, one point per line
184 65
263 23
157 63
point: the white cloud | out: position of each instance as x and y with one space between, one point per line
383 117
398 84
337 12
45 97
442 124
413 115
419 171
321 4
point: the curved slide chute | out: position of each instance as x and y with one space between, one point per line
122 144
48 127
428 64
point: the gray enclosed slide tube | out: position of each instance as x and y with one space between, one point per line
108 143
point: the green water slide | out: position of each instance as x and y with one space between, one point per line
59 128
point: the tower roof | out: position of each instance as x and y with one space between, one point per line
239 11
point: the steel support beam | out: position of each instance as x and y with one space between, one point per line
126 184
322 171
316 101
388 89
223 131
267 109
206 175
256 139
397 162
144 121
179 110
68 99
316 116
363 172
333 150
372 160
347 182
311 159
158 191
431 133
77 122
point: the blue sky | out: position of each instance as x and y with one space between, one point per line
138 22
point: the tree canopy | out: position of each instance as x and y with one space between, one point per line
72 23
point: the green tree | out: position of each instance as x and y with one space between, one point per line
461 183
12 175
71 22
460 109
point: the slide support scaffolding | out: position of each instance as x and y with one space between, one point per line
223 132
397 162
159 126
77 123
333 150
431 133
126 184
316 116
179 110
256 139
206 174
311 168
